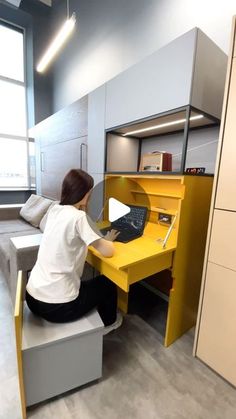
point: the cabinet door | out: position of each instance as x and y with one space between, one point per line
70 122
96 205
160 82
96 130
216 344
56 161
226 189
223 237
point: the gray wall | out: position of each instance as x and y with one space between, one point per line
41 20
112 35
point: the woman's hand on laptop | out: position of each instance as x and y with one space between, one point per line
111 235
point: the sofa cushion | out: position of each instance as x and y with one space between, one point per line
34 209
42 224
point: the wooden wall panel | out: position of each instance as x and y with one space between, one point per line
58 159
58 146
66 124
217 338
215 341
222 250
226 190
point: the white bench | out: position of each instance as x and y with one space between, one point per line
54 358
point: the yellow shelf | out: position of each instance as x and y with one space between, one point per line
163 211
166 195
155 209
143 175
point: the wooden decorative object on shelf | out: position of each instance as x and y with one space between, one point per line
156 161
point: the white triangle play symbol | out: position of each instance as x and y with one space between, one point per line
116 209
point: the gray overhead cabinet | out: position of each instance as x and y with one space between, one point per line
178 89
188 71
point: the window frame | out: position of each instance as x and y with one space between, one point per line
23 83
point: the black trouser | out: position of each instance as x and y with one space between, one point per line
99 292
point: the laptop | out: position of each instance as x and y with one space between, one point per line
130 226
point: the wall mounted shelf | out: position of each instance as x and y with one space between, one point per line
191 143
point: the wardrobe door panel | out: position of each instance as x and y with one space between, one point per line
56 161
226 189
223 237
217 335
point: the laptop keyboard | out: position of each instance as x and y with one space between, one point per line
126 236
130 225
135 219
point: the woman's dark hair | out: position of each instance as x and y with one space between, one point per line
75 186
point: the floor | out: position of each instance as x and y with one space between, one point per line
141 378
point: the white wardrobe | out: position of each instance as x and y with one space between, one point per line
215 340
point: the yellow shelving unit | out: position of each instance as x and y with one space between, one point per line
189 198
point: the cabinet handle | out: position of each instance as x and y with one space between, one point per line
42 161
83 146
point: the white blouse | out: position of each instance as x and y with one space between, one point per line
56 275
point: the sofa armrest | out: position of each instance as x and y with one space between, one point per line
10 211
23 255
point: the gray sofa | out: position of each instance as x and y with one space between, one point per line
12 225
21 220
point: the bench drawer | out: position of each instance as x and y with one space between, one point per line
54 369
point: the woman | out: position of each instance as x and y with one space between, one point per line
54 290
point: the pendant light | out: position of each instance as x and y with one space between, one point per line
58 41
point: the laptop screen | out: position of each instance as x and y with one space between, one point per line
135 219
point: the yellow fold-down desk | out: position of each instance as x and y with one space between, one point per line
135 260
189 198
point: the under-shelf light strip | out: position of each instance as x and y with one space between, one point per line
57 43
166 124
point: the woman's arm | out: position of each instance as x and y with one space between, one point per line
105 246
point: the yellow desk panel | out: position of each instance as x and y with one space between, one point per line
138 250
135 260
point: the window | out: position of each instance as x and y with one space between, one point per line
15 164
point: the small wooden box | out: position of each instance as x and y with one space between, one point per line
156 162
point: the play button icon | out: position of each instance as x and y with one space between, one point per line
116 209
